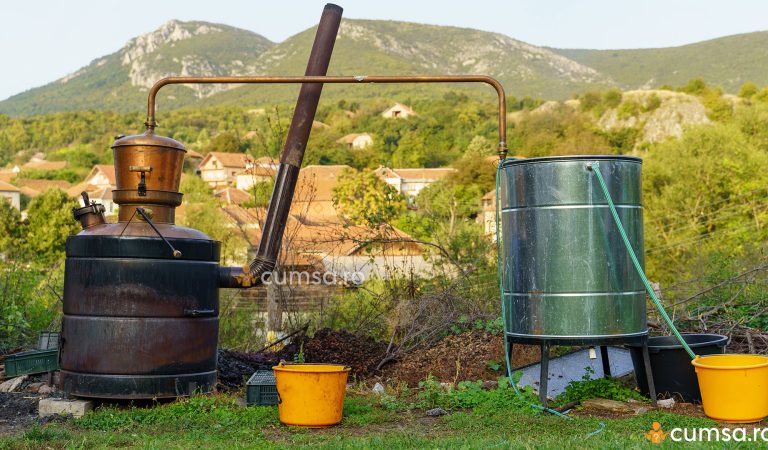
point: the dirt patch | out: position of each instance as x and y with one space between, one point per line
475 355
18 411
361 353
458 357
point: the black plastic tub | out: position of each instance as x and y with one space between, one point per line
673 373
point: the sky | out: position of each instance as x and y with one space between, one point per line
41 41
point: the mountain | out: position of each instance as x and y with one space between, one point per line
119 81
728 61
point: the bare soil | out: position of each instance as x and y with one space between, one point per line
18 411
460 357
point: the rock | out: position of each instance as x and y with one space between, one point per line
12 384
45 389
74 408
436 412
489 385
666 403
612 406
34 387
378 388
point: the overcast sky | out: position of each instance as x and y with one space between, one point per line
41 41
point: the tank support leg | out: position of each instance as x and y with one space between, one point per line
648 373
606 363
544 375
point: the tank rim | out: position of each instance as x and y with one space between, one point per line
566 158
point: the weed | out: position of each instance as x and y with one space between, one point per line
493 365
587 388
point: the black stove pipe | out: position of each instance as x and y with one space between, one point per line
290 161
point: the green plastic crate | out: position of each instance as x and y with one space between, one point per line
261 389
35 361
48 340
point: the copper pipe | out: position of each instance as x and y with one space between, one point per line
502 110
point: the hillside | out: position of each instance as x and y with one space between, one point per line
118 81
727 61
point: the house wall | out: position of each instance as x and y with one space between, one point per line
362 141
13 197
383 267
245 181
98 179
412 188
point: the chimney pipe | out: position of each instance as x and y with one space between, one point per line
290 161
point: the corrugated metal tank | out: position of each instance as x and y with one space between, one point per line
566 273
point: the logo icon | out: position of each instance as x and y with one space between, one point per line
656 435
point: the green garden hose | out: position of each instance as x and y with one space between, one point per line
594 167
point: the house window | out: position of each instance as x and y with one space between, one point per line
395 113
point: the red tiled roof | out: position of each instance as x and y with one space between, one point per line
7 187
45 165
236 160
350 138
43 185
232 196
316 183
107 169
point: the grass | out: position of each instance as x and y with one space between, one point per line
496 420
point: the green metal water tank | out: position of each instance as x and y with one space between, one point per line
566 273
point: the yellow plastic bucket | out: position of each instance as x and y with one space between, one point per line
734 388
311 395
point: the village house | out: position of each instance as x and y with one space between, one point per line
313 198
11 194
260 170
356 140
220 169
99 185
410 182
487 216
398 111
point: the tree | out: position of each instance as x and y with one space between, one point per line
224 142
260 192
411 151
480 146
449 202
10 227
364 199
703 195
50 222
747 90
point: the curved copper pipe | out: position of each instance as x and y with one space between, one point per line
502 110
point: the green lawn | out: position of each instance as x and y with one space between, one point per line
479 419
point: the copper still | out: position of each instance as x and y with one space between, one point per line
141 296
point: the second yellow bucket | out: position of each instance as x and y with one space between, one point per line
734 388
311 395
